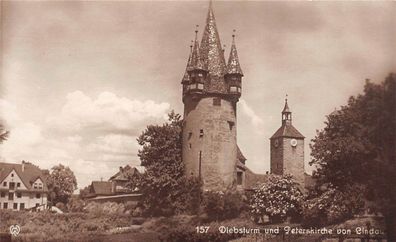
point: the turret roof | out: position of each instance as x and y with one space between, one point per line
233 66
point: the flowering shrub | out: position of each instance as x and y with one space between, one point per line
278 198
331 206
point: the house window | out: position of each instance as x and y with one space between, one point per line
2 194
239 177
201 133
189 145
18 184
11 196
12 174
37 204
216 101
21 206
5 205
4 184
15 206
12 185
19 195
38 195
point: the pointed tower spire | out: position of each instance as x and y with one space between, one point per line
286 113
211 50
186 76
196 62
233 66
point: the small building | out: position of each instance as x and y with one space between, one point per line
22 186
115 189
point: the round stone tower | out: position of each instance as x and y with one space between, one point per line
211 90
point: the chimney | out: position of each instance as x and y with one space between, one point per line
121 169
23 166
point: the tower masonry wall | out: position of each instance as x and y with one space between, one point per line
293 158
210 130
276 156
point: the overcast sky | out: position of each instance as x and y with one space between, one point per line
81 80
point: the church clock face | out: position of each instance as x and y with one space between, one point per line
293 142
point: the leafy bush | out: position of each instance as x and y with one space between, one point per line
75 204
278 198
220 206
332 206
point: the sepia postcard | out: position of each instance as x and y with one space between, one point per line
199 121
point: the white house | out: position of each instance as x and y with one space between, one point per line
22 186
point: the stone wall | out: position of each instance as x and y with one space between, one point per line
209 132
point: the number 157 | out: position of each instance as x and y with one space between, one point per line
202 229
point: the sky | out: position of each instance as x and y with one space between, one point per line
81 80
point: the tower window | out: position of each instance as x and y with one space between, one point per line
189 145
239 177
216 101
189 135
231 124
201 133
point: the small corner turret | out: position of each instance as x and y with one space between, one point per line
234 74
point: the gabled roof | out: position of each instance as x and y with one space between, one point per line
28 176
288 130
102 187
125 172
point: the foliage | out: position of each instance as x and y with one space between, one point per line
75 204
164 186
3 134
85 191
220 206
61 183
46 226
357 146
278 198
332 206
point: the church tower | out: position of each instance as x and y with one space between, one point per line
287 149
211 90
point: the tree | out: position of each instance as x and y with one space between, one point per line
3 134
358 147
61 183
278 198
164 184
332 206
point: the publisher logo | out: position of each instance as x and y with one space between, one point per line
15 229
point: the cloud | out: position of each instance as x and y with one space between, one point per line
248 111
93 136
107 112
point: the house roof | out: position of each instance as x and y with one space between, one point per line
28 174
288 130
124 172
102 187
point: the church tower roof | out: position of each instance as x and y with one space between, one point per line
287 129
233 66
211 51
286 109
